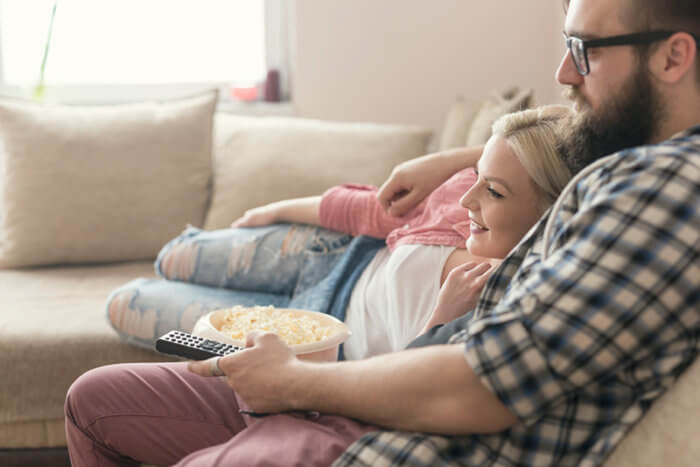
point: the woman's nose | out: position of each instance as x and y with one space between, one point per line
468 199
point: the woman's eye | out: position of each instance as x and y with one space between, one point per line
494 193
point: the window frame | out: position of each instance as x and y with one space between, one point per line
277 53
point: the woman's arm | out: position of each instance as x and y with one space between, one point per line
296 210
354 209
411 181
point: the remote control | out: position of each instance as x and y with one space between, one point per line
192 347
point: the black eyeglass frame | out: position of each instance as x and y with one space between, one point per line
624 39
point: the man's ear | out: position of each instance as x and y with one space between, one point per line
675 58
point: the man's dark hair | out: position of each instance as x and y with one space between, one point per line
655 15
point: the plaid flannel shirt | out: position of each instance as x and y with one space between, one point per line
578 345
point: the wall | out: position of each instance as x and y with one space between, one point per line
404 61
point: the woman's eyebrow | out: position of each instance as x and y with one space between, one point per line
499 181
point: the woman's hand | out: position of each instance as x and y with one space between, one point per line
264 374
411 181
260 216
459 293
296 210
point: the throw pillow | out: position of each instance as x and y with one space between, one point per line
493 107
93 184
258 160
456 127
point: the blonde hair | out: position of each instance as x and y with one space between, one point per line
534 137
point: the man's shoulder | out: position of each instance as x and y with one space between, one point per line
676 160
682 147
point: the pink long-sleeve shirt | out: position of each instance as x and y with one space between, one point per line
437 220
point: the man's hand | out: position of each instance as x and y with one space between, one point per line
265 374
411 181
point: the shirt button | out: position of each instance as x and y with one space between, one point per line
405 226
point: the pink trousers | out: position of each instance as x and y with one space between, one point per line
162 414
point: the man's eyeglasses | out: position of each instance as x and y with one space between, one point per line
579 47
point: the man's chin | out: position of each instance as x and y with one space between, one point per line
582 118
581 108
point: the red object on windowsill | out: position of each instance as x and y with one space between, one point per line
245 94
272 86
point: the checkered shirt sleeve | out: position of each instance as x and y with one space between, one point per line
578 345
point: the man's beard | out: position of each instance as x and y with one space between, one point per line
628 119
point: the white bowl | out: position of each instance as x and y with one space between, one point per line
325 350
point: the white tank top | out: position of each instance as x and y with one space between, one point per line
393 299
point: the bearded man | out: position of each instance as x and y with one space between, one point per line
586 322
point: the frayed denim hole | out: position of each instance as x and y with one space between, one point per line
326 244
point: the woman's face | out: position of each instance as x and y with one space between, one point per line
503 203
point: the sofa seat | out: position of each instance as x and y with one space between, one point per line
668 433
70 335
52 329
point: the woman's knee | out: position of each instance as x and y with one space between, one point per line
177 260
129 320
211 257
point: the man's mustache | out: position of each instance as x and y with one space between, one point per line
573 94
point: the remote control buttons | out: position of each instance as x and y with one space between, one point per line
212 345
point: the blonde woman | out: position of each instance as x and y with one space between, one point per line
516 182
521 173
390 279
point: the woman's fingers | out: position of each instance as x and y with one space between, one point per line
482 268
243 221
464 267
471 266
253 218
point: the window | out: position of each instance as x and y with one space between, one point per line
110 49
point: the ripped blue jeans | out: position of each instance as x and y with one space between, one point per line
283 265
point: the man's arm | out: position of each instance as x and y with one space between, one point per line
430 389
413 180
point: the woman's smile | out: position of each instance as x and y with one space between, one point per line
475 227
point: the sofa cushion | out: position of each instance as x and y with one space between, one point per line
494 106
668 433
102 183
459 120
52 329
265 159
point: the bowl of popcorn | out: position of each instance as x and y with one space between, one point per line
310 335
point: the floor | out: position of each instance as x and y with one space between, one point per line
53 457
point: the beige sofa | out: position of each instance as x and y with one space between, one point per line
88 196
